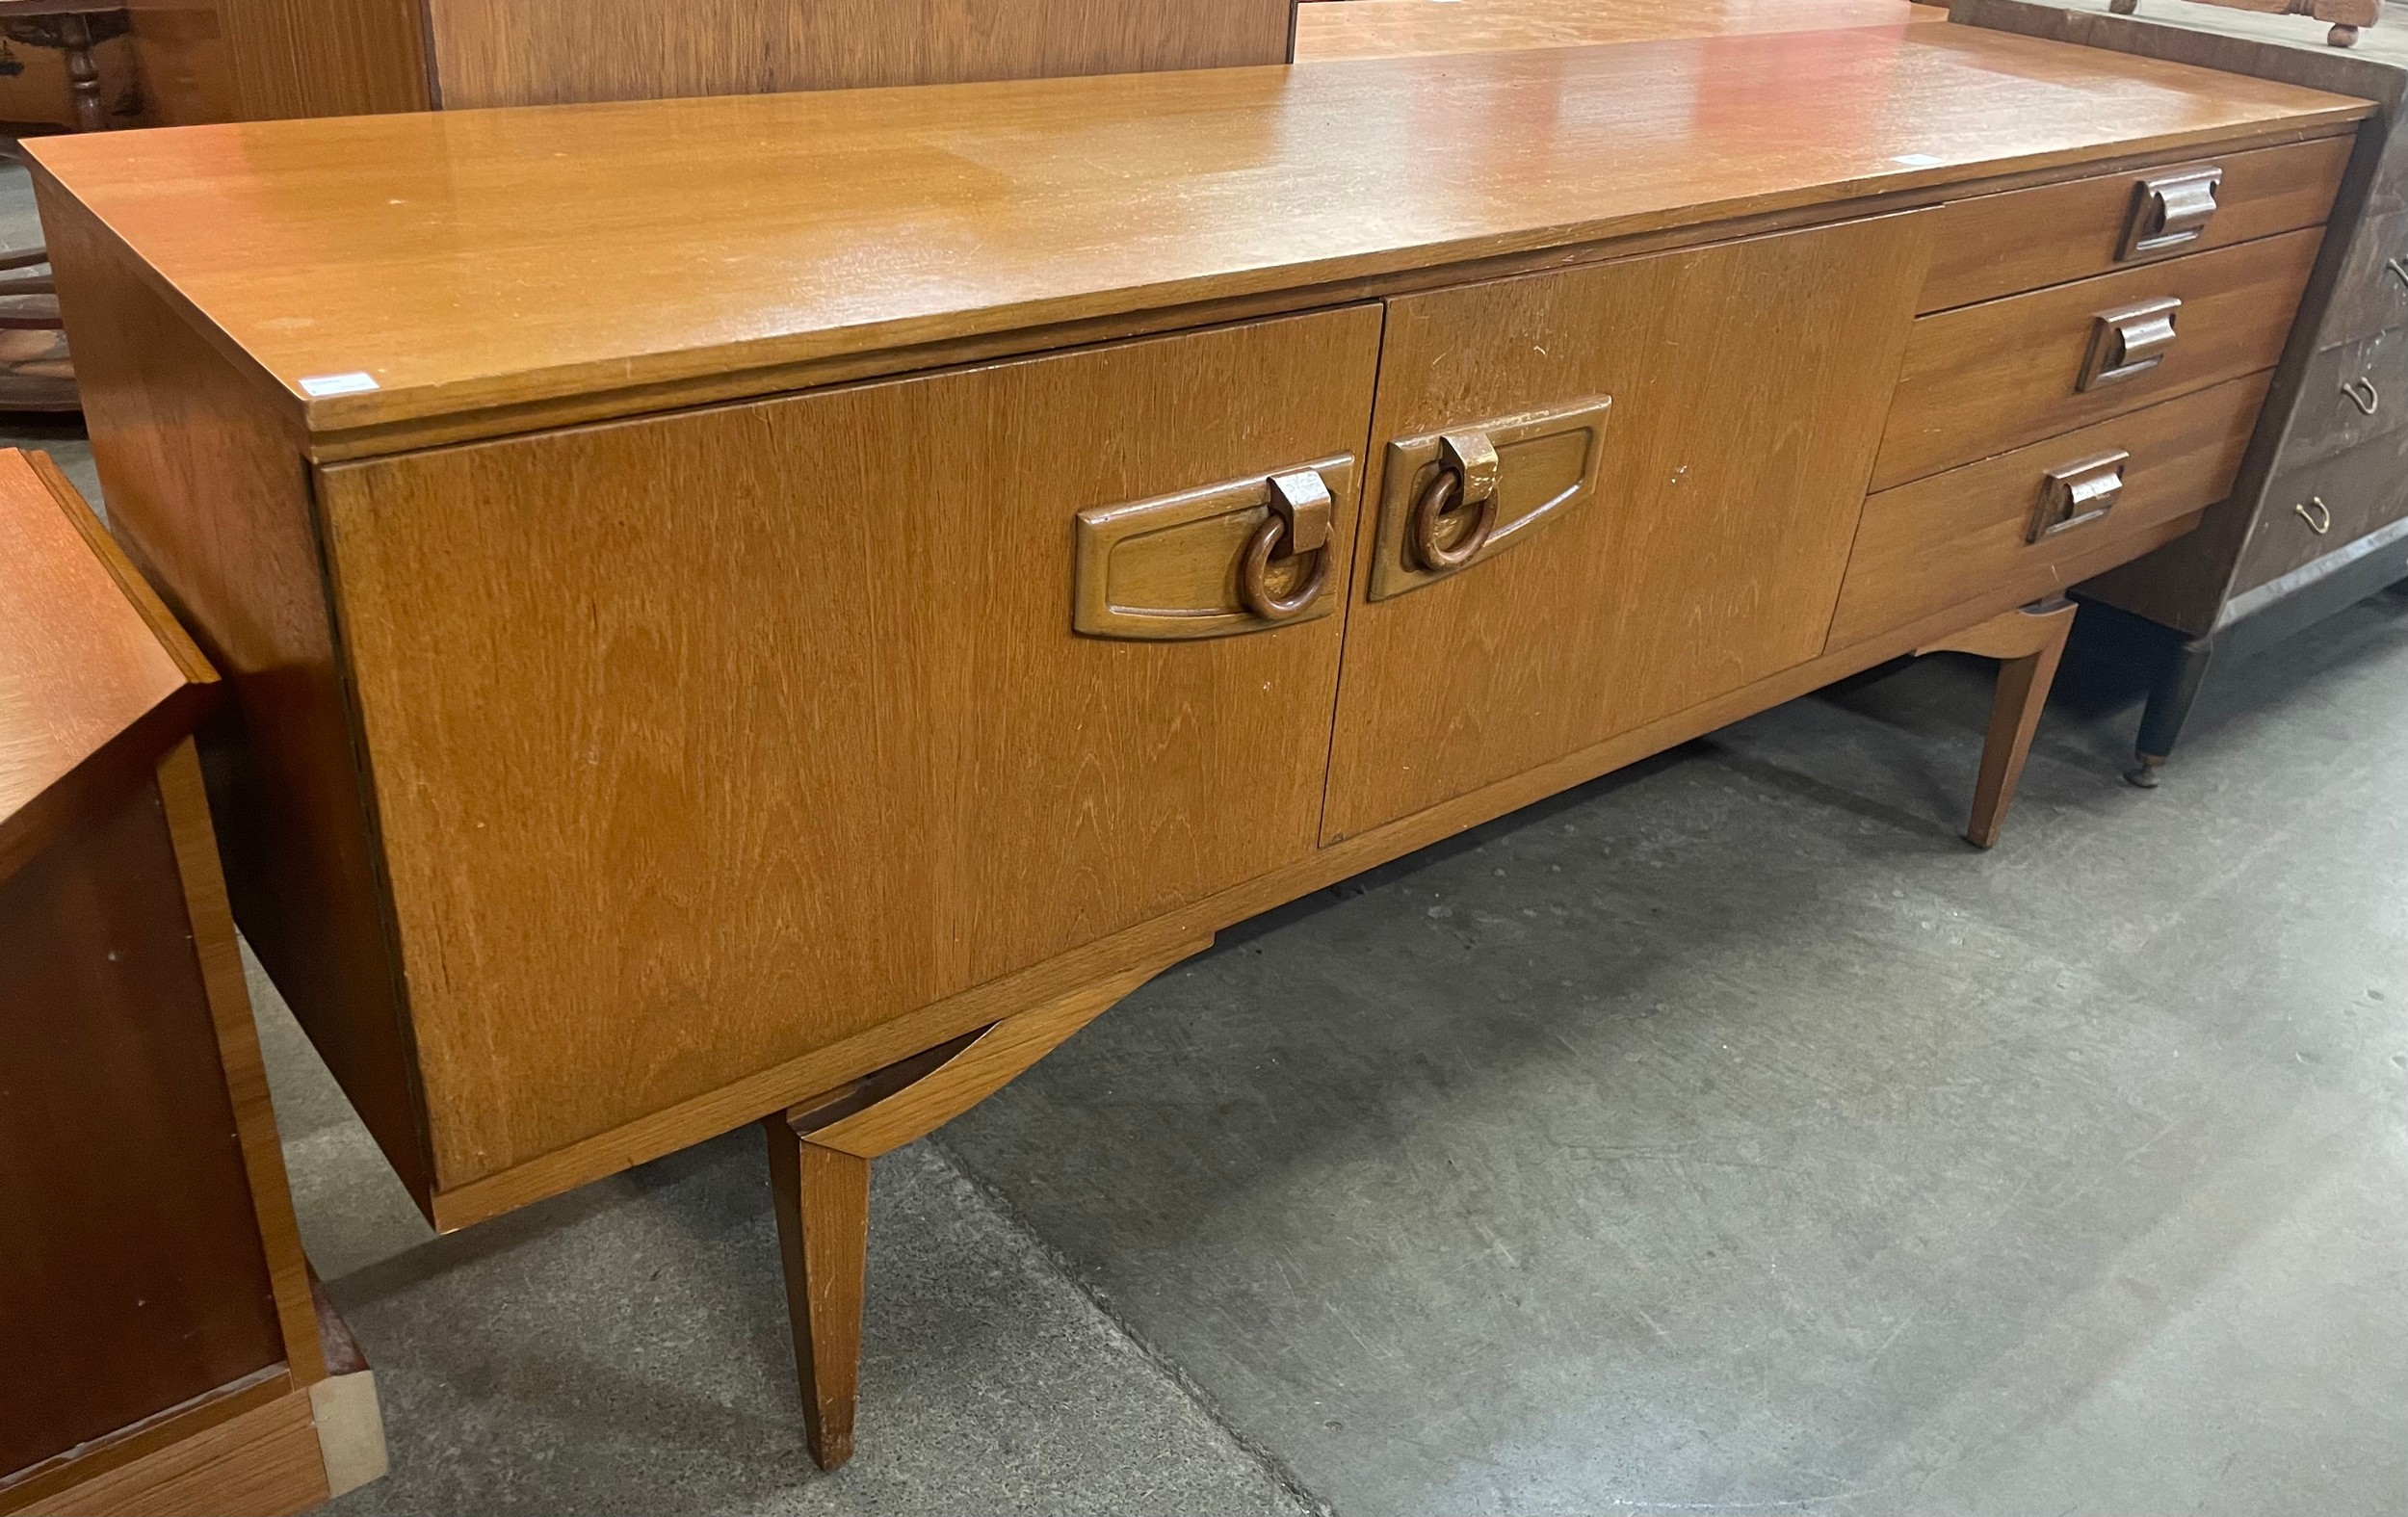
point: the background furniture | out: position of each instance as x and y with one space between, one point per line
254 60
1333 29
2346 16
1098 511
2318 517
163 1348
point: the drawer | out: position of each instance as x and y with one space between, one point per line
706 740
2347 495
2025 239
1977 529
2370 292
2348 395
1984 378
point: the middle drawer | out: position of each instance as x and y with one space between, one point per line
1983 379
2033 520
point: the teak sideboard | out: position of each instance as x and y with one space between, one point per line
791 604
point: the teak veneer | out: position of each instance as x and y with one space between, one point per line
709 652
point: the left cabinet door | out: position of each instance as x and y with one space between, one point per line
702 740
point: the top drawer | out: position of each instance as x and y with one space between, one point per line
2023 239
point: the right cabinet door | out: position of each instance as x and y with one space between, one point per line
1668 456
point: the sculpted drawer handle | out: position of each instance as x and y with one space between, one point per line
2316 514
1240 555
2362 394
1466 479
2170 210
1298 522
2128 341
2077 493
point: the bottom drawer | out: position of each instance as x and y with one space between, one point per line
1925 546
2310 512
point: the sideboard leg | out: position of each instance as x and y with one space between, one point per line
820 1153
823 1199
2170 696
2028 643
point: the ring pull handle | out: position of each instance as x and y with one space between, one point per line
2362 394
1296 523
2315 514
1466 481
2399 272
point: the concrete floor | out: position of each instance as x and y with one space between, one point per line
1723 1136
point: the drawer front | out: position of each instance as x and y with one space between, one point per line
2025 239
1979 380
1700 549
2371 292
705 740
2348 395
2347 496
1978 529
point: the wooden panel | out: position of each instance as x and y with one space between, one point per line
265 1461
704 741
1987 378
1334 28
91 666
652 245
1943 541
1734 464
133 1278
2002 243
205 61
208 494
543 52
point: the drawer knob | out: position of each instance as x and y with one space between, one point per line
2128 341
2077 493
2362 394
1466 481
2169 211
2315 514
1296 523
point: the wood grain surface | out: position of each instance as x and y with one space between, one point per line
209 61
88 655
1733 468
264 1460
134 1278
544 52
1983 379
792 735
208 493
1923 547
1335 29
471 260
1998 245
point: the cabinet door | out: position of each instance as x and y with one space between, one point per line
703 741
1704 546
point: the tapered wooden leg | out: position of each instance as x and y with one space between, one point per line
2028 643
823 1198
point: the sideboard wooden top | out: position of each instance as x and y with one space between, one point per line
494 263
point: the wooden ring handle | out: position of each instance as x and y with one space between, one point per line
1427 531
1254 574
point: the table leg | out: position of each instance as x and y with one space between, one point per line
2028 644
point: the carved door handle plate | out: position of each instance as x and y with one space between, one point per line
1455 498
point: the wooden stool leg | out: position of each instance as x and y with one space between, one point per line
823 1199
2028 643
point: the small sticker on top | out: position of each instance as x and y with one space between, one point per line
355 382
1919 160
